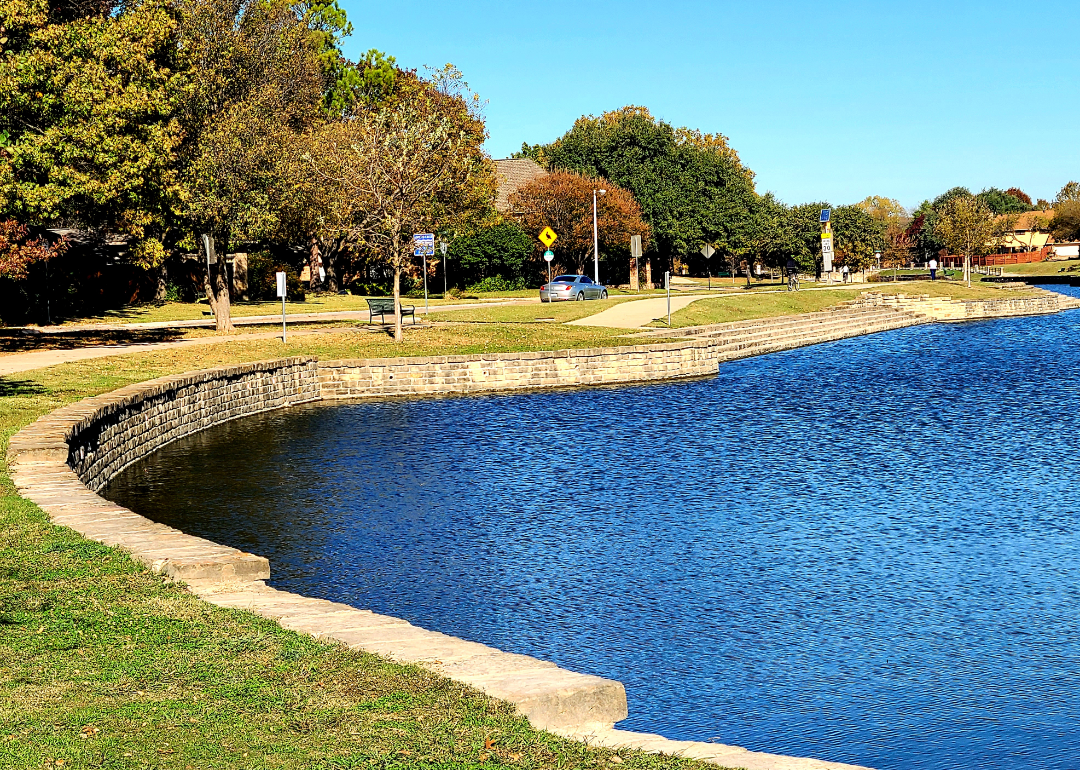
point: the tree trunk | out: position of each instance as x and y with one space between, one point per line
314 263
217 286
398 334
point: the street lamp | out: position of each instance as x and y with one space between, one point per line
595 240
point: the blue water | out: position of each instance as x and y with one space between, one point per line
865 551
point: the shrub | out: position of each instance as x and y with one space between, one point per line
262 278
498 283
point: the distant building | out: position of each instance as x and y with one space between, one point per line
1030 233
512 174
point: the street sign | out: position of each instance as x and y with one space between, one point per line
547 236
549 255
825 214
635 246
827 254
826 245
442 247
707 250
423 244
281 289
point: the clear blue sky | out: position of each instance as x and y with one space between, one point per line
824 101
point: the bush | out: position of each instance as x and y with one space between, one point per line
502 250
262 278
498 283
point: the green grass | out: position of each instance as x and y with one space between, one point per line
716 310
106 665
1066 266
550 312
322 303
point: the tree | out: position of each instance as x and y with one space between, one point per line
858 234
968 227
884 210
1065 226
1020 195
255 82
18 250
88 95
1003 202
1070 192
501 250
563 201
409 167
691 186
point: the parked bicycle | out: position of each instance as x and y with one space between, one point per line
793 282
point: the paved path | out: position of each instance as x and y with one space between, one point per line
637 313
253 320
38 359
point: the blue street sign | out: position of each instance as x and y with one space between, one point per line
825 215
423 244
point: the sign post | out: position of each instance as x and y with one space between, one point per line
547 237
826 242
667 286
424 247
442 248
707 251
635 255
282 291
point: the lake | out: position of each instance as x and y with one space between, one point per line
864 551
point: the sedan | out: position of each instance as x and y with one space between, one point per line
577 287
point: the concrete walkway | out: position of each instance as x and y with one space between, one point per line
14 363
637 313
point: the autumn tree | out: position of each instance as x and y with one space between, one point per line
1070 192
19 250
691 186
968 227
882 209
412 166
1065 226
563 201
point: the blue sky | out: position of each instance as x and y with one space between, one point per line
824 101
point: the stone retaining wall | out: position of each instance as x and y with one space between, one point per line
381 377
945 309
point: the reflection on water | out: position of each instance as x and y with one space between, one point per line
864 551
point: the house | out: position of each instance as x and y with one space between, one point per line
1030 233
513 173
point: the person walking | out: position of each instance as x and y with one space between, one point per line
933 269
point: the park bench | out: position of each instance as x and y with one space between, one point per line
380 307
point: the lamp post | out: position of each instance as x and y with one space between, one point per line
595 239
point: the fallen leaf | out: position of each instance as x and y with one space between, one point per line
489 743
616 759
484 757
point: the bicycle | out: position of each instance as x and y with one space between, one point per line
793 282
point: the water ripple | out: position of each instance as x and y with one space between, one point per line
864 551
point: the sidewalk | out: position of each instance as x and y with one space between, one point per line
254 320
38 359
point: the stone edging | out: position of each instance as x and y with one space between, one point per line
59 461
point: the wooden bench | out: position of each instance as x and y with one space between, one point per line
380 306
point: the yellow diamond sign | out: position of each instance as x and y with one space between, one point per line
547 236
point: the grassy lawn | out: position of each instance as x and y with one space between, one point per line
1044 268
716 310
328 303
551 312
105 665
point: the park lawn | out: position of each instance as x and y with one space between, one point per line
552 312
155 312
104 664
1044 268
717 310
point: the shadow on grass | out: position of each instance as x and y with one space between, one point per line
9 387
22 341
